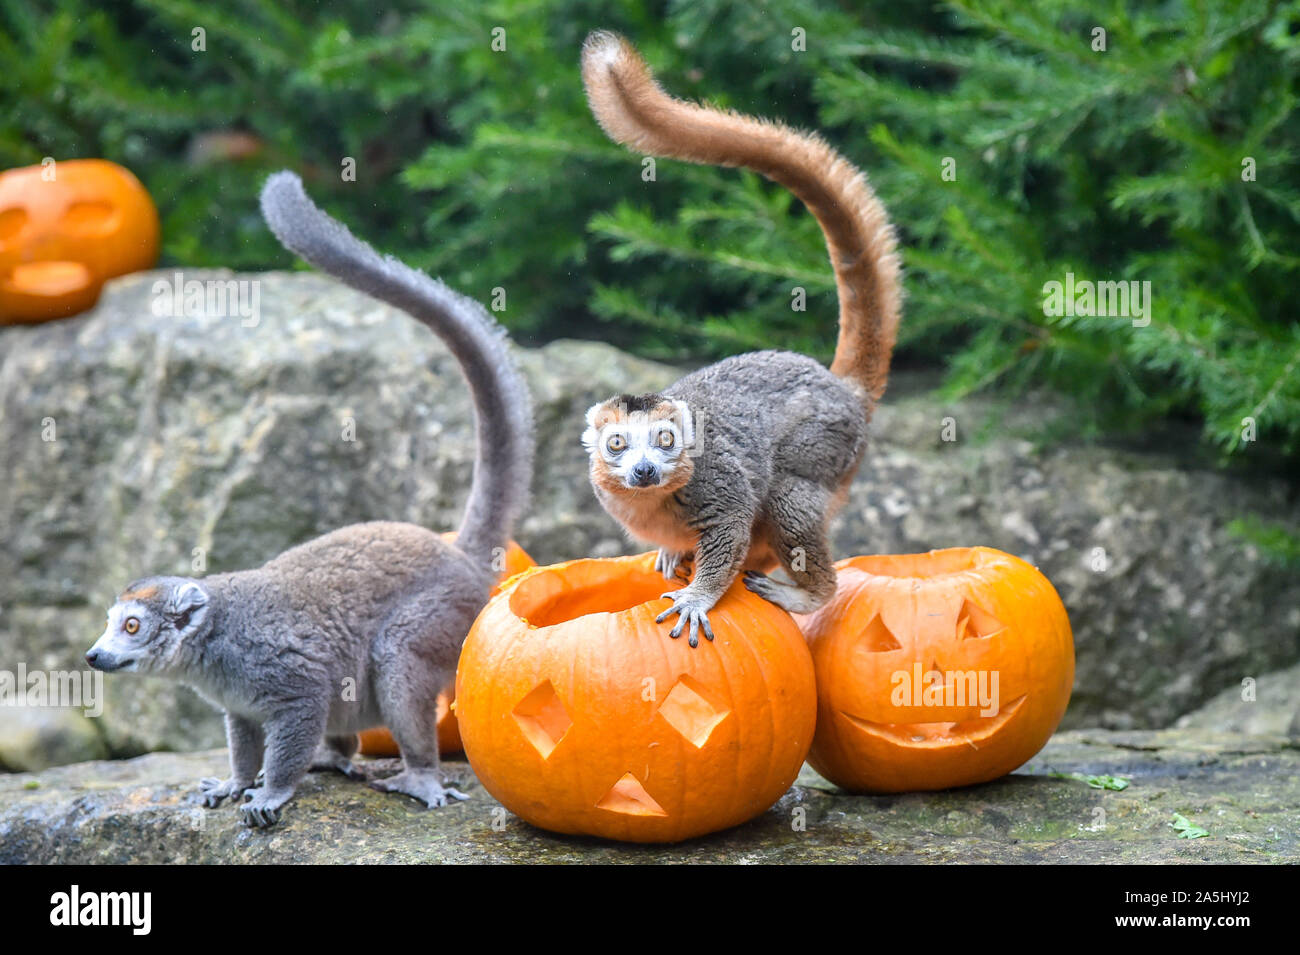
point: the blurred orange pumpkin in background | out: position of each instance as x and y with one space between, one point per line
380 742
65 227
581 715
936 670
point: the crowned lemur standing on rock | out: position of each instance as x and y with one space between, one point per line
362 626
739 466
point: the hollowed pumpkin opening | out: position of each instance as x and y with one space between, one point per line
584 587
936 563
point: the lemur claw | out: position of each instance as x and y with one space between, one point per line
261 809
690 610
788 597
427 785
256 818
674 565
215 791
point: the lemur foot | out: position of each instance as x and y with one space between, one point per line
261 808
328 758
674 565
788 597
215 791
425 785
693 610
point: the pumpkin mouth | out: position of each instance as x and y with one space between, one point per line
49 277
972 731
935 563
581 588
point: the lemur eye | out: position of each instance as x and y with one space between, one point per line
616 444
132 625
666 439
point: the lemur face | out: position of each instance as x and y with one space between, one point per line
147 625
639 443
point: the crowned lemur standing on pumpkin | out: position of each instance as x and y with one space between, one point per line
381 608
739 466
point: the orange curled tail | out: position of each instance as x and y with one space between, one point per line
635 111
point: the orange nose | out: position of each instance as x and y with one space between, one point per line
34 291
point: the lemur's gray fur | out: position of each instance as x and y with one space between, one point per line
360 627
739 466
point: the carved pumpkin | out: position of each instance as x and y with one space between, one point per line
61 237
380 742
936 670
581 715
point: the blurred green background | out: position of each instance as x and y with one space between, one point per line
1170 156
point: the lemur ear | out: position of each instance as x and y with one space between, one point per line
188 602
189 596
687 421
591 437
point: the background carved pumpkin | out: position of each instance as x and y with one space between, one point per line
581 715
380 742
60 238
893 621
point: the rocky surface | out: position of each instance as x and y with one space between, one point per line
1267 706
36 738
137 444
1244 792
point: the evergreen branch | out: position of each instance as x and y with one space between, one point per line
1282 377
634 238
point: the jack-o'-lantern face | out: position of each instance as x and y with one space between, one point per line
581 715
937 670
64 229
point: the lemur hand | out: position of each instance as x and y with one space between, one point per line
674 565
214 791
261 808
693 608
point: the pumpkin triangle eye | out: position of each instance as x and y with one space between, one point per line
974 623
878 638
89 217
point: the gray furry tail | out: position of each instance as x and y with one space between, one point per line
503 467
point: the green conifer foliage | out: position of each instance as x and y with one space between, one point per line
1012 142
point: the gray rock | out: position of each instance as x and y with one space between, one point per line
184 443
1269 705
1242 791
35 738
